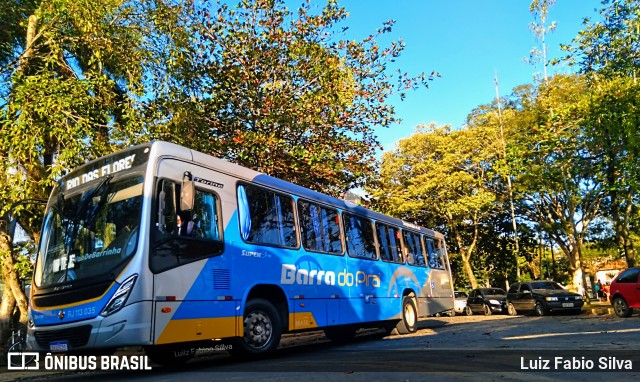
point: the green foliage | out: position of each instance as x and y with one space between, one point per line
437 178
275 90
606 52
280 92
25 253
608 47
72 90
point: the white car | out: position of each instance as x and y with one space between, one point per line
460 302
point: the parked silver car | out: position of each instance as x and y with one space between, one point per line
460 302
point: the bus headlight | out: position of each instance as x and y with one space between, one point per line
120 297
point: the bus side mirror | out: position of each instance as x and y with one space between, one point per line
187 193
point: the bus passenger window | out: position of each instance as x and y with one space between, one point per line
435 260
359 236
414 248
389 243
319 227
266 217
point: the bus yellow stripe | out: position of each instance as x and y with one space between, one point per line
196 329
302 320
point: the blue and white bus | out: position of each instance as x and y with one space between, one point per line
167 248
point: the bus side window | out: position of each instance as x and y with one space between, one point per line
167 214
185 236
396 245
383 244
434 253
389 243
435 250
320 230
205 216
442 254
414 248
266 217
360 237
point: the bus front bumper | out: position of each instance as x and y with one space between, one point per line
130 326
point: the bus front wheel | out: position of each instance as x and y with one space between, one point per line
262 329
409 322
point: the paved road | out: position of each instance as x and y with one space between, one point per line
498 348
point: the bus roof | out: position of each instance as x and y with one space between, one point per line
161 148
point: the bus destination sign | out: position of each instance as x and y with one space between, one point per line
107 166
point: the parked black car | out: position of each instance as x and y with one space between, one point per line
542 297
486 301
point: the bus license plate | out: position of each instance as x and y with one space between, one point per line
59 346
567 305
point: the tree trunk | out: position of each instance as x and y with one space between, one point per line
623 233
465 255
11 281
32 23
6 318
466 265
8 305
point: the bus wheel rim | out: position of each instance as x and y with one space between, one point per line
409 315
258 329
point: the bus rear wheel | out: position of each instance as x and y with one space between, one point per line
409 322
262 330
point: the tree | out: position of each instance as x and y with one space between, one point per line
608 53
438 178
73 74
271 81
257 84
540 11
563 192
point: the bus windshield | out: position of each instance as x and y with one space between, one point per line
89 233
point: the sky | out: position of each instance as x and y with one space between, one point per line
468 42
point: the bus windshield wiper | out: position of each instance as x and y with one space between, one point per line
99 191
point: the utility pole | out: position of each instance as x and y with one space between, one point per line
503 145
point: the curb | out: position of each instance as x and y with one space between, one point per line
602 310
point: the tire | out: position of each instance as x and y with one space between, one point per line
468 311
511 310
621 308
389 328
169 355
340 334
409 322
486 310
540 310
262 330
